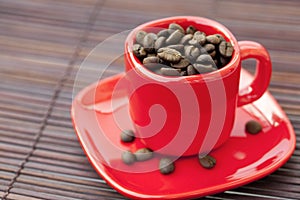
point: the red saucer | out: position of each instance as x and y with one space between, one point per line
242 159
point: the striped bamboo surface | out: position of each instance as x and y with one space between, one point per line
43 43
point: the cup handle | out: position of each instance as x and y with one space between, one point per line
260 83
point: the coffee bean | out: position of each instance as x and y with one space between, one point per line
194 42
160 42
139 37
183 73
174 26
213 39
185 39
143 154
191 70
139 51
163 33
178 47
225 49
155 67
128 157
149 41
216 62
202 68
151 55
220 37
207 161
191 52
166 71
213 54
191 30
169 55
166 166
253 127
195 52
188 50
136 48
209 48
183 63
200 37
152 59
205 59
127 136
174 38
224 61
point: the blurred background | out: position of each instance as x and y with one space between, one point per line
44 42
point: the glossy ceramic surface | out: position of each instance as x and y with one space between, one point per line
204 104
242 159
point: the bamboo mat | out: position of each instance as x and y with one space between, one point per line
43 43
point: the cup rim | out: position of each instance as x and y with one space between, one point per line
225 71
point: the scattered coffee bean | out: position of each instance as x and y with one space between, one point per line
253 127
174 38
127 136
191 70
207 161
183 63
225 49
143 154
169 55
182 53
166 166
185 39
139 37
160 42
128 157
174 26
166 71
191 30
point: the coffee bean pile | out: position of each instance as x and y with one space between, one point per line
178 52
166 165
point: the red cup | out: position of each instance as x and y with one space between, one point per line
189 115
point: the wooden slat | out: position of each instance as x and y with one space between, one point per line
42 45
62 187
17 196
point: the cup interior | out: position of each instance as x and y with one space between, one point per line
202 24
